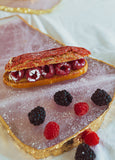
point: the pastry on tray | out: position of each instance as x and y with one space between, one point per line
46 67
58 105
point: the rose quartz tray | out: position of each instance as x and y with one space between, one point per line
16 103
28 6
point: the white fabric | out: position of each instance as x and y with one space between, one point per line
90 24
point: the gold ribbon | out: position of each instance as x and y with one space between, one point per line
27 10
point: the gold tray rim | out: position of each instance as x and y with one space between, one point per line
28 10
63 146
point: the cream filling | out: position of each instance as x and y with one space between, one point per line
31 73
14 78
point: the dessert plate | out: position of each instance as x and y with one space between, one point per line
28 6
15 104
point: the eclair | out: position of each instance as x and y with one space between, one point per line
46 67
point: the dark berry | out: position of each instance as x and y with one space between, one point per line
62 68
63 98
51 130
84 152
48 71
77 64
17 75
37 115
33 74
101 97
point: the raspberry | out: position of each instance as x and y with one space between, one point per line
77 64
63 98
33 74
101 97
81 108
62 68
51 130
37 115
91 138
84 152
48 71
16 75
84 133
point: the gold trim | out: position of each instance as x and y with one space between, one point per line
64 145
58 148
33 28
27 10
39 30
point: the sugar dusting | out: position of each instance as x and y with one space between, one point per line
15 107
16 103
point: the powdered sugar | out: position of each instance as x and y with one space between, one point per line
16 103
20 102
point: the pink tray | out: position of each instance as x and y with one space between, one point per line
28 6
17 37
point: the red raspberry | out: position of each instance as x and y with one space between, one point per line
85 133
33 74
17 75
48 71
91 138
81 108
62 68
51 130
77 64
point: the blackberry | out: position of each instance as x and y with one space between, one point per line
84 152
101 97
37 115
63 98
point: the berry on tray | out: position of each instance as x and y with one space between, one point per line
62 68
84 152
48 71
84 133
63 98
51 130
101 97
37 115
91 138
16 75
77 64
81 108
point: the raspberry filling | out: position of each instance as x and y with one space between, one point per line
33 75
77 64
16 75
47 71
62 68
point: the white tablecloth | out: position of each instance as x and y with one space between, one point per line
90 24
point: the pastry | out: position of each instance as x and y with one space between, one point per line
46 67
31 137
15 104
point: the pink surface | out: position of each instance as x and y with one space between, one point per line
32 4
16 38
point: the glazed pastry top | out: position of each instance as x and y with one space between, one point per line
53 56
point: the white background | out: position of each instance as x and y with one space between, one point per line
89 24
